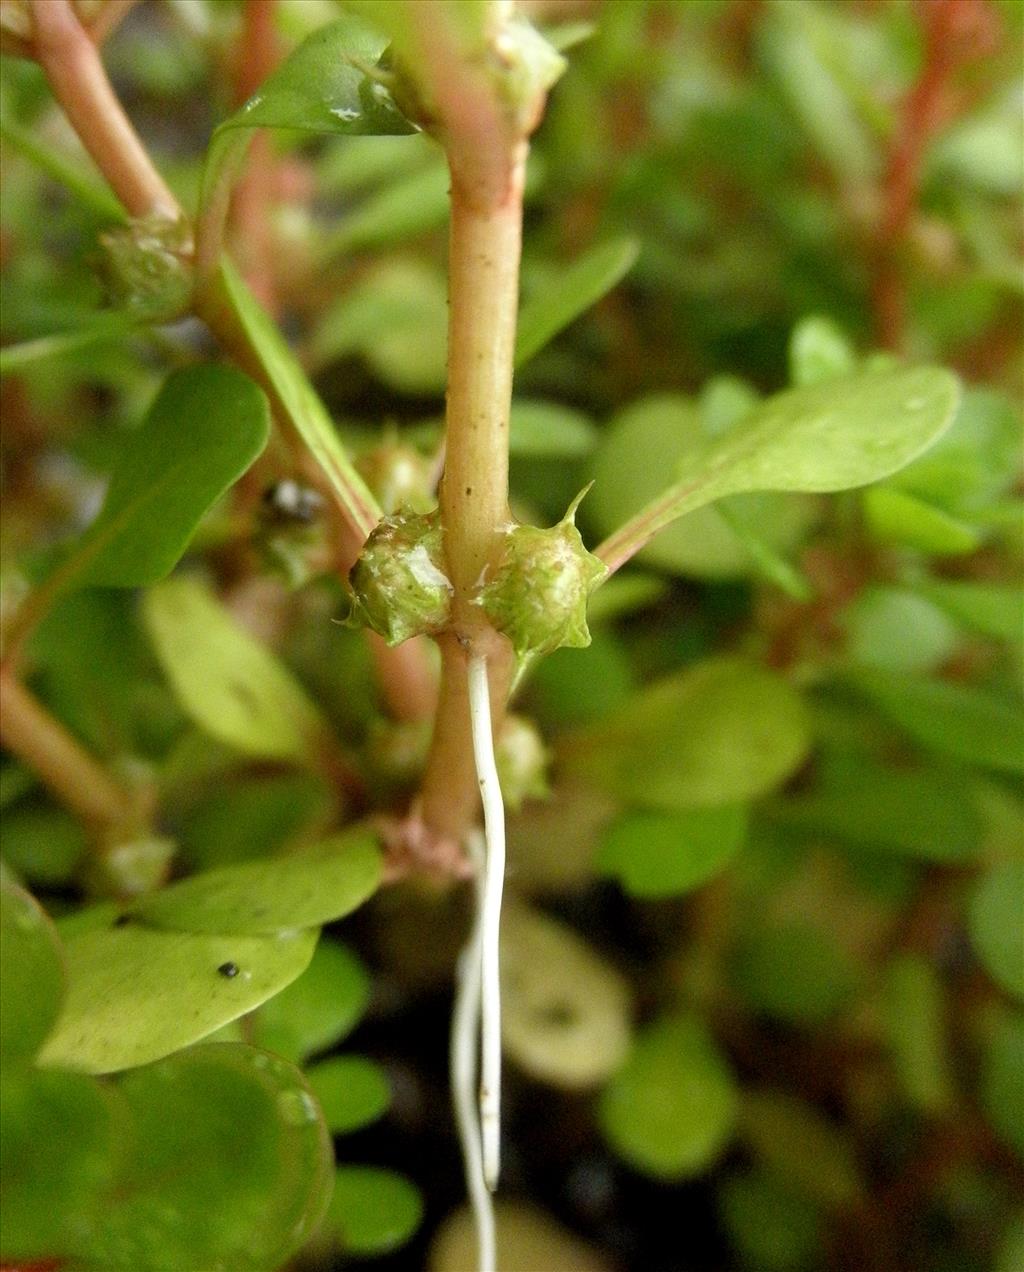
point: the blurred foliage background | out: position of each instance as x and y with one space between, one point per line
775 1024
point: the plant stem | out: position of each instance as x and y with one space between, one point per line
59 760
76 75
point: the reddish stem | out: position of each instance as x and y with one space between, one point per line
955 31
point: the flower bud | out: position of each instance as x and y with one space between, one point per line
146 268
538 593
400 586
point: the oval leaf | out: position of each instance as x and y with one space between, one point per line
232 686
31 976
318 1009
136 995
60 1142
821 437
351 1091
667 854
300 890
230 1166
372 1210
672 1107
205 428
720 732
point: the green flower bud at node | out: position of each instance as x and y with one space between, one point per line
538 592
522 760
146 268
400 586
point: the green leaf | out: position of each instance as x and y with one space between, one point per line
59 1144
1002 1092
372 1210
549 430
300 890
892 628
819 351
411 204
990 608
351 1091
794 972
970 724
396 317
232 686
318 1009
704 543
720 732
205 428
893 516
31 976
293 397
671 1109
668 854
801 1147
136 995
322 87
571 292
916 1027
918 814
774 1227
996 923
822 437
571 1030
230 1166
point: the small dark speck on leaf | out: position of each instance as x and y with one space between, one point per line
228 970
122 920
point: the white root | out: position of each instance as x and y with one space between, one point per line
464 1062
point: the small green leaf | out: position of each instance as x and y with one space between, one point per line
372 1211
822 437
230 1166
205 428
671 1109
970 724
59 1145
918 814
667 854
773 1227
300 890
722 731
1002 1092
571 292
990 608
893 516
819 351
801 1147
896 630
914 1018
351 1091
996 922
410 204
232 686
136 995
549 430
31 976
703 543
794 972
318 1009
322 87
571 1030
